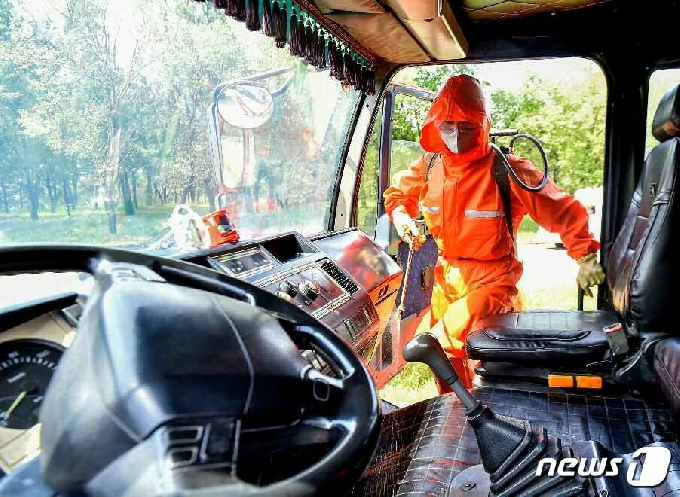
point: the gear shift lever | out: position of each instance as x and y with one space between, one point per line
425 348
509 448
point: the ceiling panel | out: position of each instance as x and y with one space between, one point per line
499 9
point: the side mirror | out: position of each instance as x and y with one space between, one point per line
244 105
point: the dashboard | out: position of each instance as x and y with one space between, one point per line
341 278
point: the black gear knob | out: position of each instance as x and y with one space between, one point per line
425 348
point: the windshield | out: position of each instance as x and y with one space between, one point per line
117 114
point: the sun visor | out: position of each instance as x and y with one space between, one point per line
433 24
385 35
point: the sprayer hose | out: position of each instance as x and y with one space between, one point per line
512 172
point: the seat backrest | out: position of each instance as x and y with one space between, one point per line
642 265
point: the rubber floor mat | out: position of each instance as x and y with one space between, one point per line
424 446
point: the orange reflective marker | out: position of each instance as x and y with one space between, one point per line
589 382
560 381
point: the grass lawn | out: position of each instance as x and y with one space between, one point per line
90 226
86 225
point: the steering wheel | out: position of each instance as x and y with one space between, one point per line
182 380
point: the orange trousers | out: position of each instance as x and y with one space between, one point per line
466 291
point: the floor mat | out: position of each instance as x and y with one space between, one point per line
424 446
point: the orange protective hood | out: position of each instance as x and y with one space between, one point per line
461 99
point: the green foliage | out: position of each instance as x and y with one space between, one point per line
404 153
569 121
528 225
433 77
409 115
100 100
414 383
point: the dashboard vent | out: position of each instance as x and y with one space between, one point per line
339 276
367 351
360 323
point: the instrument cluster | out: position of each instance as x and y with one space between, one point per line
31 345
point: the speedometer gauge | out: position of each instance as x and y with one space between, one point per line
26 367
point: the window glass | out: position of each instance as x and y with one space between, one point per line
105 128
367 203
660 82
561 102
409 114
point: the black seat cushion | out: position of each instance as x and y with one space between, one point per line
424 446
537 337
667 369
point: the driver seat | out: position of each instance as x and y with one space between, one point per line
640 270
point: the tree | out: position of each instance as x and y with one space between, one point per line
80 109
568 120
433 78
24 157
90 102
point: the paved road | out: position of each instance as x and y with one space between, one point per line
545 265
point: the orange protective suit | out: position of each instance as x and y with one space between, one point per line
477 272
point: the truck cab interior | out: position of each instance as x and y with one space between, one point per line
253 367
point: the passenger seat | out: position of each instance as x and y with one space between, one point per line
667 369
641 272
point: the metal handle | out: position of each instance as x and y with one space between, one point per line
426 349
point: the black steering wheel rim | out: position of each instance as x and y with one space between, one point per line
351 453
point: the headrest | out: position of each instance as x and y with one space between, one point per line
667 118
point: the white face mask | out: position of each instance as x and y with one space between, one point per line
450 139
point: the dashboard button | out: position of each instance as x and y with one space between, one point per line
288 288
284 296
309 289
220 444
184 434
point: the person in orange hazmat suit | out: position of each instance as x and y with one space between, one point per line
477 270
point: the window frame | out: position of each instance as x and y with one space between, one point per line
384 111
